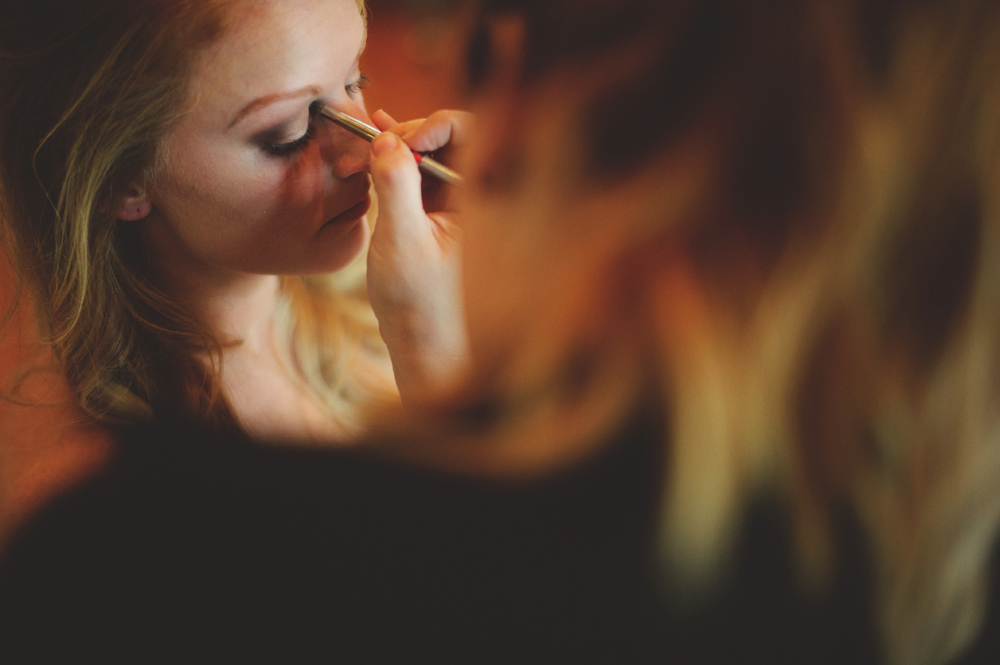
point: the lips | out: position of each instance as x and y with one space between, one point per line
354 213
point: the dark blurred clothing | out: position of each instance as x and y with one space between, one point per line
985 649
192 550
188 549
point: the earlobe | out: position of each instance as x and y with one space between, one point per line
507 39
502 162
136 205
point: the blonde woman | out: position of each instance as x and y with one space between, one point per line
190 232
714 253
191 237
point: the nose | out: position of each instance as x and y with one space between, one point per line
346 153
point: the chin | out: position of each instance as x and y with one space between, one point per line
337 248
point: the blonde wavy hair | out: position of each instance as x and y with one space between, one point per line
865 371
806 303
90 89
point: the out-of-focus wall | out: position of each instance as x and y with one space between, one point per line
414 56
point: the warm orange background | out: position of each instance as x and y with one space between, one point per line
414 58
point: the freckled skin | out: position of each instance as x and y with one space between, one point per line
223 207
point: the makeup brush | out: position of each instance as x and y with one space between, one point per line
368 133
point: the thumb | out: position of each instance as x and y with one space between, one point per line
397 182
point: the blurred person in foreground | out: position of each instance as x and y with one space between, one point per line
728 273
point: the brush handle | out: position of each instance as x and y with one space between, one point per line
368 133
437 169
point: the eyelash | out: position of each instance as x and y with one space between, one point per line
358 86
294 147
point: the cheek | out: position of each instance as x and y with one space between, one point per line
295 186
518 244
219 203
506 265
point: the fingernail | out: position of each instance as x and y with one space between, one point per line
384 142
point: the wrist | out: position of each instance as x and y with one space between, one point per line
426 356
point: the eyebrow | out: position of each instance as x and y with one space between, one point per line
267 100
311 90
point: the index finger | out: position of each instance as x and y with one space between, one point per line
438 130
386 123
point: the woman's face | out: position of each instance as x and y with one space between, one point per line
542 235
254 181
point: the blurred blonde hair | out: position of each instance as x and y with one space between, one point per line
813 314
865 372
920 279
89 92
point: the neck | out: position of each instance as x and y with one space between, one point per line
236 306
240 310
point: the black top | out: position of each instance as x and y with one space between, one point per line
188 549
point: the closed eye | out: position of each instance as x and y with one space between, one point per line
291 148
355 88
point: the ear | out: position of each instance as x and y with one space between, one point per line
507 36
499 104
136 205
